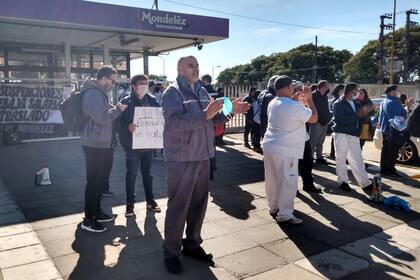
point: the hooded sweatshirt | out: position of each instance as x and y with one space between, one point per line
98 131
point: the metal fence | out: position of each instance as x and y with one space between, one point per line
234 91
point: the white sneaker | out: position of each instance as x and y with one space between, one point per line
293 221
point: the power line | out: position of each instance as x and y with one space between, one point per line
270 21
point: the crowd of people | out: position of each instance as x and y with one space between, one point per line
288 122
292 121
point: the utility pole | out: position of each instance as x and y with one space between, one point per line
391 70
315 66
155 4
408 24
380 54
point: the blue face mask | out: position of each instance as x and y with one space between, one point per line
227 105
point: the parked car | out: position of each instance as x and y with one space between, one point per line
409 152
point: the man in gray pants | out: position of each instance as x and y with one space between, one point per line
188 136
319 130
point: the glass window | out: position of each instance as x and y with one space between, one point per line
79 60
98 61
59 60
119 62
1 57
27 75
28 58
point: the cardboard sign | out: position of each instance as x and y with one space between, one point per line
149 128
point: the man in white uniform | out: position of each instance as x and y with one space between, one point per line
283 146
348 113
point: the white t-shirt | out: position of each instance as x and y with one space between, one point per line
286 131
257 112
352 104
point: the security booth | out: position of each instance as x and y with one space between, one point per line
49 47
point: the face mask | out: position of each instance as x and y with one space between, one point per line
354 97
398 94
141 90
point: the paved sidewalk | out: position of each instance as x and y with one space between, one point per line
343 235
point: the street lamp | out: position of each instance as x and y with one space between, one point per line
212 71
163 65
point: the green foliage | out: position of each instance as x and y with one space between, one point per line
297 63
363 67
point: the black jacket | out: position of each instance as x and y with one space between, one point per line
346 120
250 113
321 104
124 135
264 99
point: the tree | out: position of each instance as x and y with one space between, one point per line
363 67
297 63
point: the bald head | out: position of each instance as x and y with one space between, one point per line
188 68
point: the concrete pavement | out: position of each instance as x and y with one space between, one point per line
343 235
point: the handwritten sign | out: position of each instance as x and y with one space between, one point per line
149 128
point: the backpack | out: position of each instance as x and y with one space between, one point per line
413 122
71 110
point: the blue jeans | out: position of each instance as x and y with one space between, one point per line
134 159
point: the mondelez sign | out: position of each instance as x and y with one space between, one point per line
167 21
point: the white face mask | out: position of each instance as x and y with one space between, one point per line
398 94
142 90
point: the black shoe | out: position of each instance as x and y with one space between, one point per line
174 265
394 175
345 187
368 189
103 218
198 254
107 194
152 205
332 157
129 210
92 225
247 146
321 161
312 189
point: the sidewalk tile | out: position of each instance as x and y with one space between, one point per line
333 264
43 270
250 262
22 256
296 248
403 234
289 271
227 244
263 234
15 229
18 241
375 250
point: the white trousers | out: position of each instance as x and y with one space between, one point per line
281 180
348 147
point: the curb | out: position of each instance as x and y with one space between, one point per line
25 259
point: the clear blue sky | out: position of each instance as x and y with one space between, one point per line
248 38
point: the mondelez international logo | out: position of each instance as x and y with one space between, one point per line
164 21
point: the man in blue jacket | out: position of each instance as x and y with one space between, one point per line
139 97
348 112
190 116
390 108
